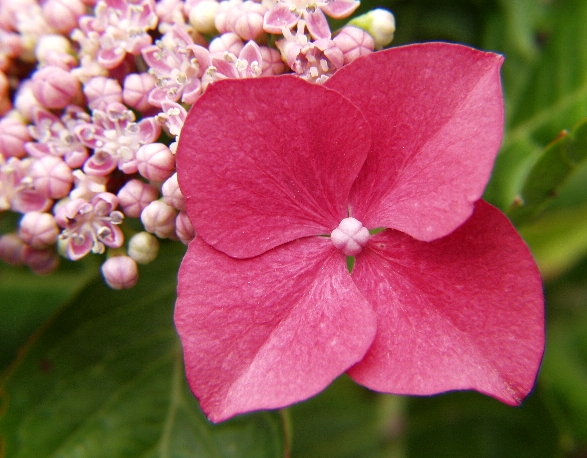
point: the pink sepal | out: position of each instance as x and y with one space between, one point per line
245 197
462 312
438 132
279 17
339 9
291 321
317 25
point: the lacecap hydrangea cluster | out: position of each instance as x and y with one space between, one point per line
93 96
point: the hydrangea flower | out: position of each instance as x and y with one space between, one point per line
115 137
281 177
285 14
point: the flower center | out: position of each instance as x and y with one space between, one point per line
350 236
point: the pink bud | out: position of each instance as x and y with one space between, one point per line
354 42
11 249
247 21
136 90
63 15
54 87
52 176
183 228
272 62
227 42
159 219
38 229
25 101
172 194
155 161
134 196
13 136
101 90
120 272
41 262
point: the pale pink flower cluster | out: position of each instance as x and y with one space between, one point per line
93 96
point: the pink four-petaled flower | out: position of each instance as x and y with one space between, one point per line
281 177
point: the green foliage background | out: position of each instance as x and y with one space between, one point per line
90 372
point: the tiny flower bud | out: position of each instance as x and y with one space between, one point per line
143 247
54 50
272 62
63 15
38 229
350 236
159 219
51 176
101 90
11 249
379 23
25 101
354 42
172 194
134 196
247 22
13 136
227 42
155 161
120 272
183 228
202 16
54 87
136 90
41 262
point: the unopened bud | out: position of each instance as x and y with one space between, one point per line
172 194
202 16
155 161
137 87
120 272
11 249
101 90
134 196
159 219
63 15
51 176
379 23
42 261
143 247
38 229
54 87
13 136
227 42
354 42
183 228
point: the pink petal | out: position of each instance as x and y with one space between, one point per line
317 24
462 312
267 160
100 164
279 17
437 110
339 9
266 332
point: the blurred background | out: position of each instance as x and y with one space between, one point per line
90 378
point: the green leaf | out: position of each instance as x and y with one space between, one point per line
105 379
347 421
546 177
472 425
28 300
564 370
545 81
558 240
